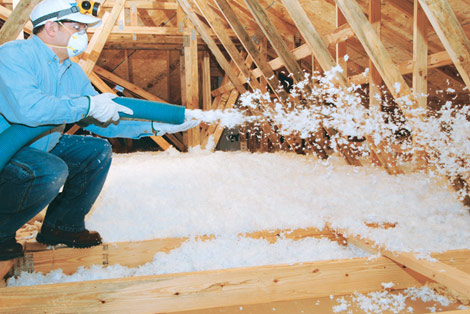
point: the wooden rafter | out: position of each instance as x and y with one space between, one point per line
376 52
420 55
89 58
251 48
203 31
451 34
16 20
327 62
226 66
375 81
433 61
275 39
228 44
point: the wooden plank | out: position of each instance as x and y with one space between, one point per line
434 60
199 290
206 81
341 47
340 34
5 267
405 6
451 34
17 20
88 60
228 44
202 30
313 39
134 254
111 77
447 275
148 5
250 47
208 289
376 52
440 272
275 39
420 55
375 81
191 78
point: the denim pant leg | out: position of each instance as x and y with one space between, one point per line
88 160
28 183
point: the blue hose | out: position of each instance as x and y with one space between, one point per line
17 135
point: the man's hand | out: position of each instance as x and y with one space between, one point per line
104 109
163 128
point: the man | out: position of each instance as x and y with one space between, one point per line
39 85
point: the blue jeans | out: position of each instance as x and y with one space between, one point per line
32 180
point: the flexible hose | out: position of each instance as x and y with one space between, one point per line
16 136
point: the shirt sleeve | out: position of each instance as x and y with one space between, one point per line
125 129
24 101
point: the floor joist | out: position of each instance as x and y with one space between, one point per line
207 289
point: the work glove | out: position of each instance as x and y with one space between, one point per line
161 129
104 109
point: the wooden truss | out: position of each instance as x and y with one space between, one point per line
221 288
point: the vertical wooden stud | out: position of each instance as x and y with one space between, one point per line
420 55
206 81
341 47
375 80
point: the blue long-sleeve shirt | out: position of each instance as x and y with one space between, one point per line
35 89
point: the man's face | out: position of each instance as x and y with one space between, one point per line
67 28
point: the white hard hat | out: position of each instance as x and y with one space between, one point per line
56 10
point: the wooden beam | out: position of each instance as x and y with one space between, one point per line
229 70
219 29
340 34
134 254
451 34
420 55
208 289
275 39
434 60
191 79
440 272
126 84
264 68
375 81
202 30
89 58
405 6
17 20
206 81
341 47
377 53
141 4
313 39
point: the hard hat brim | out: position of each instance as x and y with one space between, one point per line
90 20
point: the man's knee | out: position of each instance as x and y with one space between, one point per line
53 176
102 151
31 180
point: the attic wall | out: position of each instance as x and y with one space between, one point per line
156 71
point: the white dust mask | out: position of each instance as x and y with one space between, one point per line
77 43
